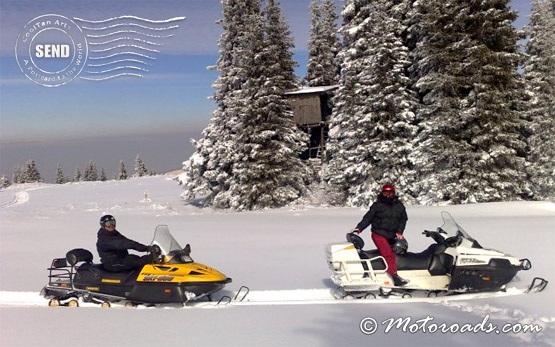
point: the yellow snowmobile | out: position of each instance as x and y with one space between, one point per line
173 278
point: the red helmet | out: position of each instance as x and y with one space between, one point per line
388 188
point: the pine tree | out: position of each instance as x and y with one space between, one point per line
17 174
60 178
209 170
372 124
4 182
539 70
269 170
248 156
140 168
122 173
470 148
323 47
31 173
77 177
278 63
103 177
91 173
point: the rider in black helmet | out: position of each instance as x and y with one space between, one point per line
112 248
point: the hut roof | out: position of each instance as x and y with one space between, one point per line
312 90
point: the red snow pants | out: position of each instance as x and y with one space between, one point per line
385 251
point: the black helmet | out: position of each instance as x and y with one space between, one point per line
107 218
400 246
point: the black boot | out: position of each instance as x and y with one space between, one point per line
398 281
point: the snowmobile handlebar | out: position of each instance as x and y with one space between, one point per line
431 233
436 235
154 249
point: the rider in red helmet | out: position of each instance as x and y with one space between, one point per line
388 217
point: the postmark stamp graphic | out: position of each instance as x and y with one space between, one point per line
51 50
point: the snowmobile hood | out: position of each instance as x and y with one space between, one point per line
180 273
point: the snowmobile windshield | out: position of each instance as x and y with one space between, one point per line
165 240
453 229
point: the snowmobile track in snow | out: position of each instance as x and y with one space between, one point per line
270 298
21 197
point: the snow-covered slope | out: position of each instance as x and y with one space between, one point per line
278 254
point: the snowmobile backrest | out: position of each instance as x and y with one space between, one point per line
58 263
79 255
356 240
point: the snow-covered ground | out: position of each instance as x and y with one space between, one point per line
278 254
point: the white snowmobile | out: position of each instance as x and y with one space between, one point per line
456 263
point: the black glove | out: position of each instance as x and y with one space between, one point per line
155 252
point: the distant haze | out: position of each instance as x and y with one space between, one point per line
160 153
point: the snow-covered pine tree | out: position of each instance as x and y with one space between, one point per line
17 174
248 158
268 172
31 173
103 177
91 173
4 182
77 177
60 178
372 126
469 148
122 173
278 42
323 46
208 171
539 71
140 168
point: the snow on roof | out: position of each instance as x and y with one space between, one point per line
311 90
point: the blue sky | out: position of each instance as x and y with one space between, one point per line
172 98
172 95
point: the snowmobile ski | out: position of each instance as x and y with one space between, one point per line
239 296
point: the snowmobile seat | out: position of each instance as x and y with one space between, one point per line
432 259
95 273
414 261
78 255
94 269
407 261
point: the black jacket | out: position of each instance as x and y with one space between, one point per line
113 246
388 216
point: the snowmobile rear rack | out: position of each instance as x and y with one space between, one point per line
60 274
